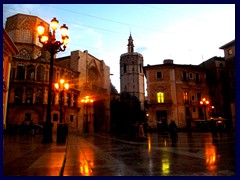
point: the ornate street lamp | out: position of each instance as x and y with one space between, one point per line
60 87
87 101
53 46
204 102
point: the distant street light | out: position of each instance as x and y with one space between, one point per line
60 87
204 102
50 44
87 101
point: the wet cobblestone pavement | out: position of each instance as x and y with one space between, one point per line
195 154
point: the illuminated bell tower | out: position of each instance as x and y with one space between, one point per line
131 73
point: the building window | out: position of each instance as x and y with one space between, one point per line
55 117
185 97
29 95
20 72
197 77
71 118
230 52
159 75
30 72
140 68
18 95
193 98
160 97
39 96
124 68
184 76
40 73
190 76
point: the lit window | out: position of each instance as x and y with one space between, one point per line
185 96
230 52
160 97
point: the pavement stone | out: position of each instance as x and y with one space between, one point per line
109 155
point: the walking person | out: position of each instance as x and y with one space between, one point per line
135 129
213 127
173 132
141 131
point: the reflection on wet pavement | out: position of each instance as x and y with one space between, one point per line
194 154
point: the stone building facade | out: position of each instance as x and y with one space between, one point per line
9 50
216 80
131 73
229 56
174 92
86 75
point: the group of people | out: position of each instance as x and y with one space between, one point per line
172 129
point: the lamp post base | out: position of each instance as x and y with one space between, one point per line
62 132
47 133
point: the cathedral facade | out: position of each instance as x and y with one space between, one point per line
29 78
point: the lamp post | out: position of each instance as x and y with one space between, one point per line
60 87
53 46
87 100
204 102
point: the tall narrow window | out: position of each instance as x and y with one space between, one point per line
125 68
40 73
198 97
190 76
18 93
230 52
29 95
71 118
20 72
184 75
159 75
30 72
160 97
39 96
197 77
185 97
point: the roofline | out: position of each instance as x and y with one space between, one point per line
228 44
156 65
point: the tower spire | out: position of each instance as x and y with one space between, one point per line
130 44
